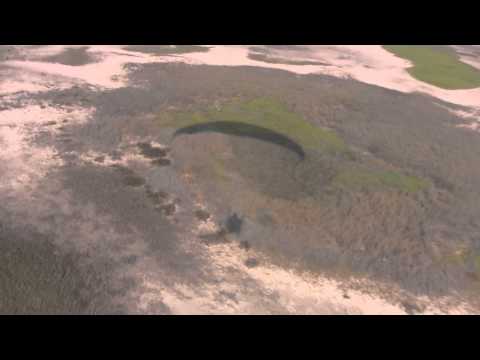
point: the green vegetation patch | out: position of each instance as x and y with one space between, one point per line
477 263
438 65
371 179
268 114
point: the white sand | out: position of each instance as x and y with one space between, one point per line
367 63
269 289
107 73
22 162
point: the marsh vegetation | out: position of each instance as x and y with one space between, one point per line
438 65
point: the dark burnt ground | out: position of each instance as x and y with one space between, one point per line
133 207
100 227
37 277
167 49
152 152
289 47
271 59
426 240
17 52
72 57
265 54
6 52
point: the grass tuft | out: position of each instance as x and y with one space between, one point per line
438 65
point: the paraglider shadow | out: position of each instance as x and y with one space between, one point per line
244 130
